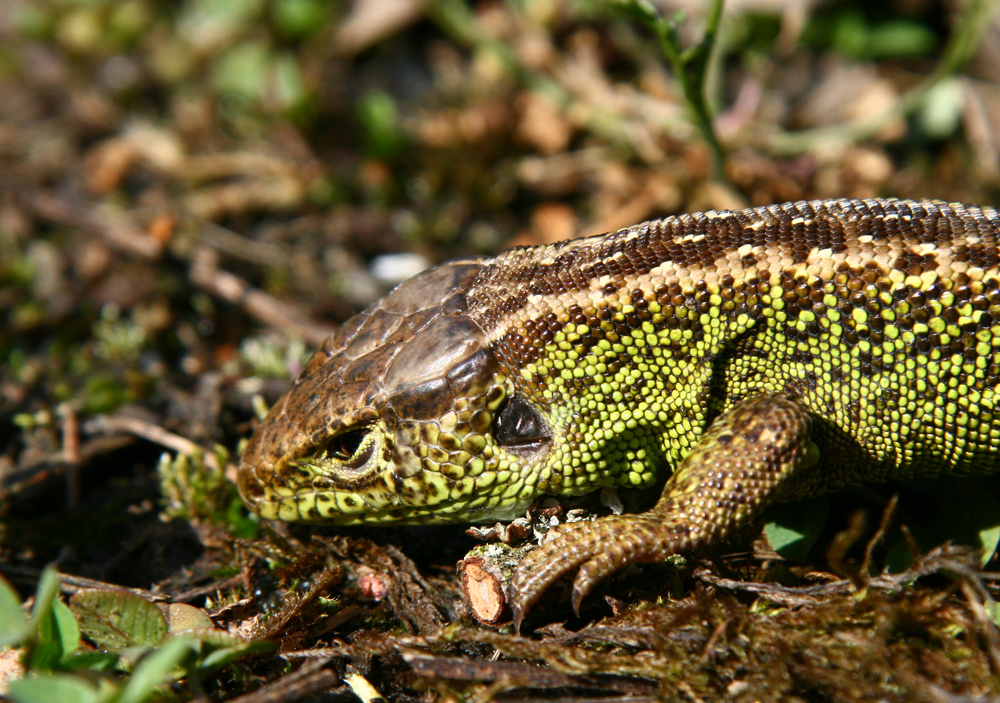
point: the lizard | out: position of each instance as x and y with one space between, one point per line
753 356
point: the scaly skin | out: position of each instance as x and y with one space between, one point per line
758 355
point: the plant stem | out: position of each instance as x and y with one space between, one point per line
690 67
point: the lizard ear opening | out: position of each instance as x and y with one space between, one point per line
519 426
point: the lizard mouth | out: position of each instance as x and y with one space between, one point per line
351 452
348 460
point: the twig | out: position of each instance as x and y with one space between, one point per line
121 234
70 584
292 606
520 674
879 535
206 275
362 688
160 436
235 245
113 228
785 595
22 481
974 594
946 558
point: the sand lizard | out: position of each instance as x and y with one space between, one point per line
754 355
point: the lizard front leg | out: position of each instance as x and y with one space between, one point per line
737 469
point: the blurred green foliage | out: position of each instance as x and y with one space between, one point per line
860 33
379 119
240 49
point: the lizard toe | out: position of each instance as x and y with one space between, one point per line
636 539
597 548
566 549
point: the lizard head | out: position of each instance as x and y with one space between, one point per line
404 415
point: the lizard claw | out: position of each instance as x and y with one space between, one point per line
598 548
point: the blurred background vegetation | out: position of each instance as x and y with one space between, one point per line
193 193
322 152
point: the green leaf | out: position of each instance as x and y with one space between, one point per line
66 628
989 539
118 619
900 38
942 109
58 636
45 654
45 593
14 625
241 71
379 118
794 527
47 650
780 537
154 670
287 86
299 19
641 10
993 610
49 689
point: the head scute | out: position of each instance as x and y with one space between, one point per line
441 345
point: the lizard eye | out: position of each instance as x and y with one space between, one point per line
346 447
519 424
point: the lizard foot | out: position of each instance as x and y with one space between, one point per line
742 463
597 548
